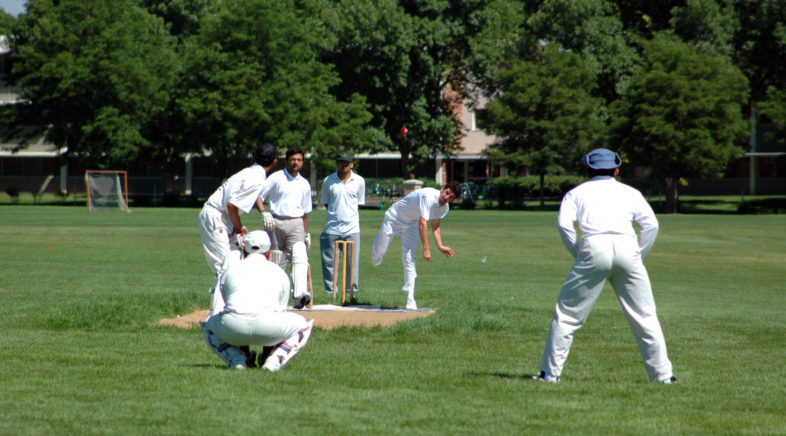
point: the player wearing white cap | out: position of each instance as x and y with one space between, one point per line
410 216
256 292
607 250
289 195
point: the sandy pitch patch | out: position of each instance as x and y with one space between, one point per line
326 316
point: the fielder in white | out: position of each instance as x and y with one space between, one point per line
289 195
342 192
256 292
410 216
607 250
219 220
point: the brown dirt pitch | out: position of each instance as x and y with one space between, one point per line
326 316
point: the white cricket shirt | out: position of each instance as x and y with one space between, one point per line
420 203
242 190
289 196
603 205
342 200
254 285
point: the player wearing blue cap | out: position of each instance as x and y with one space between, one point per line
608 249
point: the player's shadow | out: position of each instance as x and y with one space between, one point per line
500 374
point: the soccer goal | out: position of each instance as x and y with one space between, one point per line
106 189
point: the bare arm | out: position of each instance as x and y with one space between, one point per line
437 232
424 239
234 216
260 204
305 223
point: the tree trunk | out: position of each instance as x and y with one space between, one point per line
168 170
542 197
672 194
404 148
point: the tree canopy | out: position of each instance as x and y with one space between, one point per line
93 76
156 79
682 114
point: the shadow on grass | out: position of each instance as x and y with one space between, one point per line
502 375
727 206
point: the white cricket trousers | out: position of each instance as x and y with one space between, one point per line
269 328
215 229
600 258
410 237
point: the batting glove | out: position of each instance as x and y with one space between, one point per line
308 241
267 220
237 238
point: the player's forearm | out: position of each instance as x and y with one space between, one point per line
234 216
260 204
424 233
305 223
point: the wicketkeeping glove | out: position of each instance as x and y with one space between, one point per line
308 241
267 220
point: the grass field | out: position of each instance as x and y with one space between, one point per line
79 353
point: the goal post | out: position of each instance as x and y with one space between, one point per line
106 189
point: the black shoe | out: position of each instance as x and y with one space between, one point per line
302 301
251 356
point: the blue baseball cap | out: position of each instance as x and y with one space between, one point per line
601 159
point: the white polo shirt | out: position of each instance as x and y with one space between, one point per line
290 197
242 190
342 200
422 203
603 205
254 285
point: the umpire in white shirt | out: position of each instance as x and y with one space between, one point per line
342 193
607 250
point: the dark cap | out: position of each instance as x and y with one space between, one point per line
265 154
345 156
601 159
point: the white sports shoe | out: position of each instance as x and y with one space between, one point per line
239 365
548 378
411 305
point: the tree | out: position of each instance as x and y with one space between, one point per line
401 57
93 76
682 115
592 29
545 114
254 74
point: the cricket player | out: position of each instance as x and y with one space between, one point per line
608 249
410 216
342 192
289 195
255 311
219 220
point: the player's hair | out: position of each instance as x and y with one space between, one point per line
594 172
455 188
295 150
265 154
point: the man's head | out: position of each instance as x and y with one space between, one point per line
256 242
295 157
265 155
344 163
601 162
449 193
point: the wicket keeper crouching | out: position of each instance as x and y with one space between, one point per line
255 292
